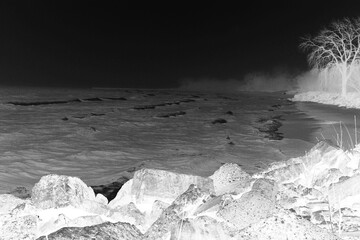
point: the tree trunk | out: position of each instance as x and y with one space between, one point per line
344 79
343 86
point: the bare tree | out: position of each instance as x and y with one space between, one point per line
336 48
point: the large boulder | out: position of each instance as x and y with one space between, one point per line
252 206
104 231
285 225
56 191
128 213
230 178
149 185
345 193
184 206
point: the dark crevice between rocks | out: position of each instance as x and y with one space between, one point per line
110 190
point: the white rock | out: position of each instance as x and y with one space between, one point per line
18 227
201 228
343 189
182 207
313 168
61 220
94 207
230 178
149 185
124 196
251 207
157 208
55 191
129 214
101 199
8 202
284 225
104 231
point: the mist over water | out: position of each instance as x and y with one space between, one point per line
271 82
327 80
252 82
312 80
308 81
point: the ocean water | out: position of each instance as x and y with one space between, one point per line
95 134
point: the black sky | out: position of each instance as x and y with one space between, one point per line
136 44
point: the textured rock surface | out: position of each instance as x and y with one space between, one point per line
230 178
94 207
326 178
314 165
284 225
183 206
341 190
128 213
8 202
150 185
61 221
149 182
18 227
55 191
288 173
202 228
253 206
326 192
104 231
157 208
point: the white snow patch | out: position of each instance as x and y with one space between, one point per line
351 100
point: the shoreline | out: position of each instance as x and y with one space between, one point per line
336 115
351 100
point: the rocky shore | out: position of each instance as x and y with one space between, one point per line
316 196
